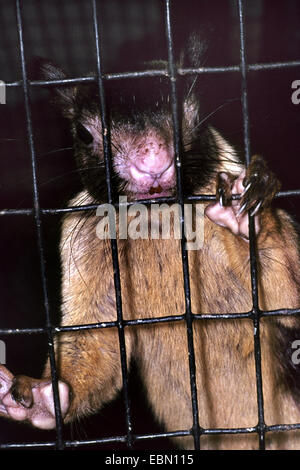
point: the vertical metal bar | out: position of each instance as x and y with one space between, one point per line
114 247
185 266
38 225
252 237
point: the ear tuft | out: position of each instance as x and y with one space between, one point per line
190 112
196 49
63 95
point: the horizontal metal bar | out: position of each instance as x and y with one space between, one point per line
274 65
62 81
91 79
89 207
28 445
216 431
231 316
110 324
236 68
288 193
142 437
75 443
104 440
208 70
163 435
283 427
222 316
280 312
151 320
22 331
16 212
159 73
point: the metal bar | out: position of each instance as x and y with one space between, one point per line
169 199
161 72
252 238
274 65
141 437
151 320
255 314
184 254
38 225
104 440
114 246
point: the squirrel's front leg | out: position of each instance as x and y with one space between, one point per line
257 186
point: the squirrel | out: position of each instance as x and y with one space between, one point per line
88 361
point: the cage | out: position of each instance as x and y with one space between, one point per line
249 72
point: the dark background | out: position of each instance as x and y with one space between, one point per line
131 30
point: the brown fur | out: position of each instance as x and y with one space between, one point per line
152 286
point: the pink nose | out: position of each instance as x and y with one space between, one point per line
153 158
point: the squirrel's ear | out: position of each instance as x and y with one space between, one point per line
191 112
63 95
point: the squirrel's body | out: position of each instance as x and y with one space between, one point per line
151 274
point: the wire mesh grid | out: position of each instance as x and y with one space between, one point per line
37 211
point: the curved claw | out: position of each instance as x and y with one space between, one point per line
221 198
244 207
256 208
261 186
248 186
26 399
256 185
21 391
224 188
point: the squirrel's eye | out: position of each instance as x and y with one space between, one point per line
83 134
